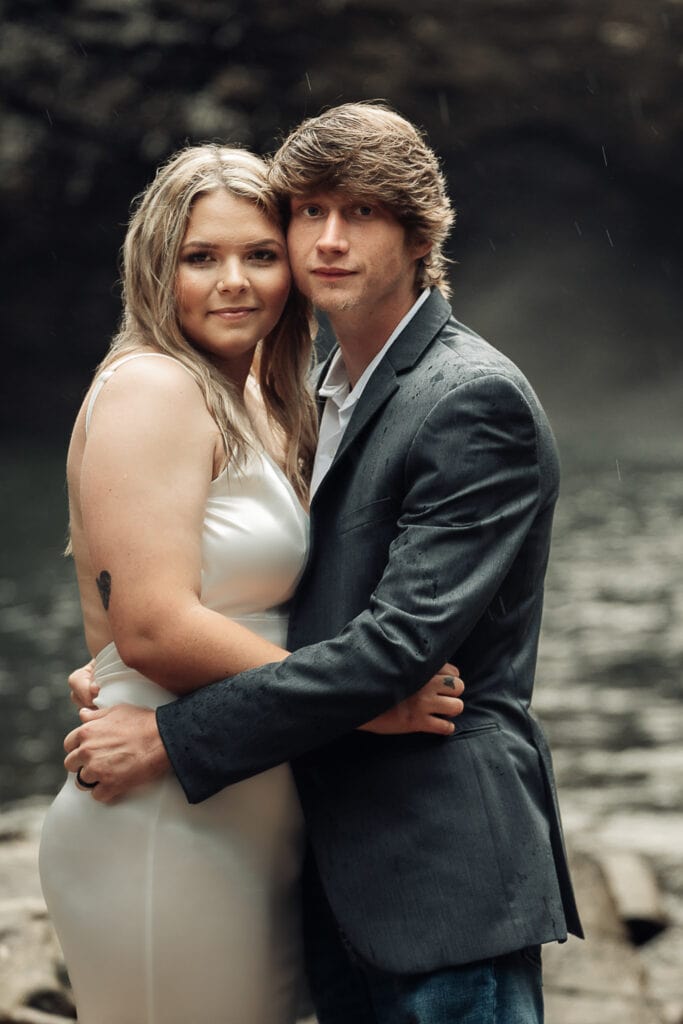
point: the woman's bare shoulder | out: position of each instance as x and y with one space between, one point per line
149 385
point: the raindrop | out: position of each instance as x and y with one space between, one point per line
444 111
616 461
609 237
578 229
493 248
636 104
308 82
604 155
47 115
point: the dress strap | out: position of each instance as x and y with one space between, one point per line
103 377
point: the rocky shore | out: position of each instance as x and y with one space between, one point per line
615 977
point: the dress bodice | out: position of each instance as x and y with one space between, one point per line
254 540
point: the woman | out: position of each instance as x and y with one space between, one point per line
187 488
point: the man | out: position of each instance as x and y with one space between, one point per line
437 865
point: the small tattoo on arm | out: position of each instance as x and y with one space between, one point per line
104 586
448 681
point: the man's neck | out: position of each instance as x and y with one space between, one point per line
361 337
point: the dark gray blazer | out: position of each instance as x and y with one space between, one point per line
430 538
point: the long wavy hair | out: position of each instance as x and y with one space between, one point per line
150 311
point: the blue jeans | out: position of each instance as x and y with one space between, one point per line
502 990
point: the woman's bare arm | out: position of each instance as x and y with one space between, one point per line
144 478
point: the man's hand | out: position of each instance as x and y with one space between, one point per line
116 749
428 710
83 687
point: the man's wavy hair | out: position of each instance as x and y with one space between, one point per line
368 150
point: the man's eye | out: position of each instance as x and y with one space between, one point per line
311 210
364 210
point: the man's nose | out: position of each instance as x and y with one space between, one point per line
332 237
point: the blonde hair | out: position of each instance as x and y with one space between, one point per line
150 316
368 150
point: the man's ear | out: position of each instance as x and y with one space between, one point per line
419 249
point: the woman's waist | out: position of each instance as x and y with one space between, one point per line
120 684
271 623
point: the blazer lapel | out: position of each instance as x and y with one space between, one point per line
380 387
420 332
403 354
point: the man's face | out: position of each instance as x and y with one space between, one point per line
350 255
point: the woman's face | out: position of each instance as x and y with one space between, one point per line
232 280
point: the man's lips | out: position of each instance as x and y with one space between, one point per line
332 272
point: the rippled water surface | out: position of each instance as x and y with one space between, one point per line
610 668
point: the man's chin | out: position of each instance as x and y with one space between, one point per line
331 302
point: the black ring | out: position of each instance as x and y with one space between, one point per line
81 781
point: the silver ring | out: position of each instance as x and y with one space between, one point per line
81 781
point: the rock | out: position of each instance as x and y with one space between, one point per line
600 980
32 976
603 980
34 986
633 886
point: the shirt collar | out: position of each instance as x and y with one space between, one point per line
336 384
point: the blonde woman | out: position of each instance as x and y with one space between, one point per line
188 473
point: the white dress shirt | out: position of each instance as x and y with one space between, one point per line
341 398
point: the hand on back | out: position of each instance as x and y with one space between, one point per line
429 710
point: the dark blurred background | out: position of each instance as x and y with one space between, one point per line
560 126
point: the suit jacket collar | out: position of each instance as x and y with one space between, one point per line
419 333
402 355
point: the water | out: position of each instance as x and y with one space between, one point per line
40 631
610 666
611 662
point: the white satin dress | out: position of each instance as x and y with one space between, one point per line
176 914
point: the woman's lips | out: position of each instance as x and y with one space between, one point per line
238 313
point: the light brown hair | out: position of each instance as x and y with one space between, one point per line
370 151
150 315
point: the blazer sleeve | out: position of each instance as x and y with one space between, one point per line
472 492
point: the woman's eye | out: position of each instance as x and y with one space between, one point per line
198 257
263 255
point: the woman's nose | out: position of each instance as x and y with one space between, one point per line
232 277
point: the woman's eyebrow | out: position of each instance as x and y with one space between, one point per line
198 243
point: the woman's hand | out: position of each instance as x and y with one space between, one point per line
428 710
83 687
